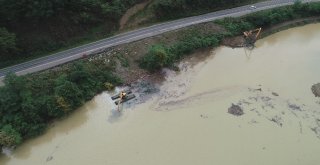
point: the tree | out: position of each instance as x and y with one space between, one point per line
9 136
156 58
67 93
7 42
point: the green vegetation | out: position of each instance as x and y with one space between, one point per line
123 60
7 43
43 26
162 56
29 103
271 17
170 9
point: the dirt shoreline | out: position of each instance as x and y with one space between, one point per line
125 58
132 52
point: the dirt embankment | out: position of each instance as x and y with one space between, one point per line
238 41
125 57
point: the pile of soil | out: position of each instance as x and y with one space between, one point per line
234 42
235 110
316 89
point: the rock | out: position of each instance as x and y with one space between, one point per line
275 94
235 110
316 89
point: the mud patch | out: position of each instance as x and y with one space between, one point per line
316 89
234 42
235 110
281 111
293 106
275 94
277 119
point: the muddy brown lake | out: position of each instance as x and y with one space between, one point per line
187 121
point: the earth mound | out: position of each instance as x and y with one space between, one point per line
235 110
316 89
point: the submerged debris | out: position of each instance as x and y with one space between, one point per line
275 94
316 89
204 116
49 158
255 89
277 120
235 110
294 106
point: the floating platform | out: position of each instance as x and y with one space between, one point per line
129 97
118 95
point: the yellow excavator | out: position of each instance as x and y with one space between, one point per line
123 96
251 36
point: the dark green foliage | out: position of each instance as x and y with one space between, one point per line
28 104
235 26
169 9
9 137
7 43
156 58
270 17
74 10
69 92
314 9
43 26
193 42
160 56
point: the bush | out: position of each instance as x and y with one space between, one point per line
160 56
43 26
157 57
7 43
9 137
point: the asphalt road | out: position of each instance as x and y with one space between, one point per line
76 53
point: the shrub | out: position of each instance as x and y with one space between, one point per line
160 56
157 57
9 137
